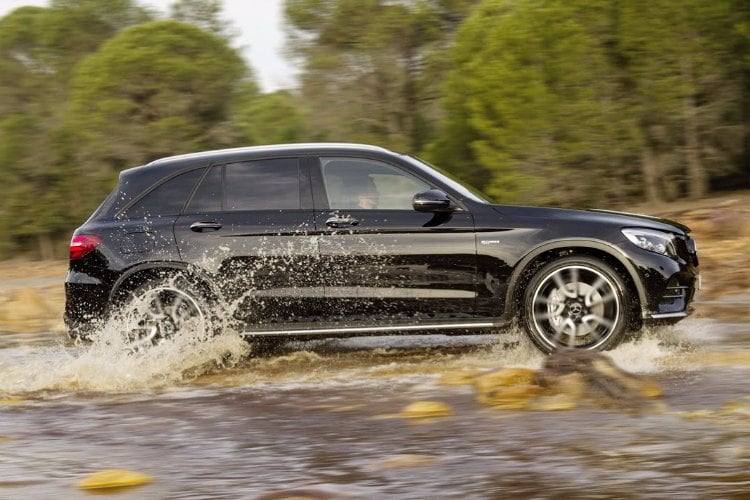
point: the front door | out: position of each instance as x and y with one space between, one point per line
382 262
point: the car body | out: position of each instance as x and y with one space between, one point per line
305 240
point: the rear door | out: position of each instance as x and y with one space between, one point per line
383 263
251 224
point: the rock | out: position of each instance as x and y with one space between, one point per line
569 378
459 377
510 388
427 409
511 397
114 478
504 378
558 402
593 376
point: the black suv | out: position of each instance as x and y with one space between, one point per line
308 240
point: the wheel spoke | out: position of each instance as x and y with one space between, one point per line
178 313
574 281
160 313
573 332
562 287
579 301
599 320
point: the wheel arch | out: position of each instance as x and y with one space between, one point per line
142 273
551 251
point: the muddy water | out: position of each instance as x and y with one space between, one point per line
321 419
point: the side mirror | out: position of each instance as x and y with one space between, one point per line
432 200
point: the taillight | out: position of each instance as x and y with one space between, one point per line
82 245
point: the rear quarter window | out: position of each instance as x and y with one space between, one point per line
166 199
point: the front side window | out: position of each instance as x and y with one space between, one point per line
358 183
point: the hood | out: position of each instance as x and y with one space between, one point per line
622 219
658 220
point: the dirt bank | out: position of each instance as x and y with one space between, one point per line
32 294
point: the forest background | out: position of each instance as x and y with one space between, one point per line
568 102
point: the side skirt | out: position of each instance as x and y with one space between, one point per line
448 328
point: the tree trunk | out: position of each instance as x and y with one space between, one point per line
697 177
650 171
46 249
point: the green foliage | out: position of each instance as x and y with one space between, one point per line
573 102
531 103
370 66
206 14
38 49
152 90
579 102
69 122
269 118
117 14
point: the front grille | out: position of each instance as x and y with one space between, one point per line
676 296
673 293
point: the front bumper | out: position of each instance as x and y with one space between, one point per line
669 283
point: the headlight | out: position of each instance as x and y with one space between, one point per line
652 240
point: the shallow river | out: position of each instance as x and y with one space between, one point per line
321 419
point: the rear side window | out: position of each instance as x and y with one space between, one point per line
166 199
272 184
263 185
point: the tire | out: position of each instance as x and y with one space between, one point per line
157 311
576 302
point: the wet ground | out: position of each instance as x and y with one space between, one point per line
322 419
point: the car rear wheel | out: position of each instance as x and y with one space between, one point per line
576 302
160 310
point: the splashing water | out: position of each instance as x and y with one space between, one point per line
110 364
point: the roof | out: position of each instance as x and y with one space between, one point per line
314 147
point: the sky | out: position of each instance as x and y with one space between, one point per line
260 40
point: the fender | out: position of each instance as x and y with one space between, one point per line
570 244
158 266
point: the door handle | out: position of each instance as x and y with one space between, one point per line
338 221
199 227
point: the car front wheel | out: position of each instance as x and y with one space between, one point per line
576 302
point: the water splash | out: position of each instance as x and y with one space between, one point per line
109 364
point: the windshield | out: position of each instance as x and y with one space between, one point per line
446 179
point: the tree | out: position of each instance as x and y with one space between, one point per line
268 118
206 14
680 61
367 66
531 105
581 102
116 14
152 90
38 49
